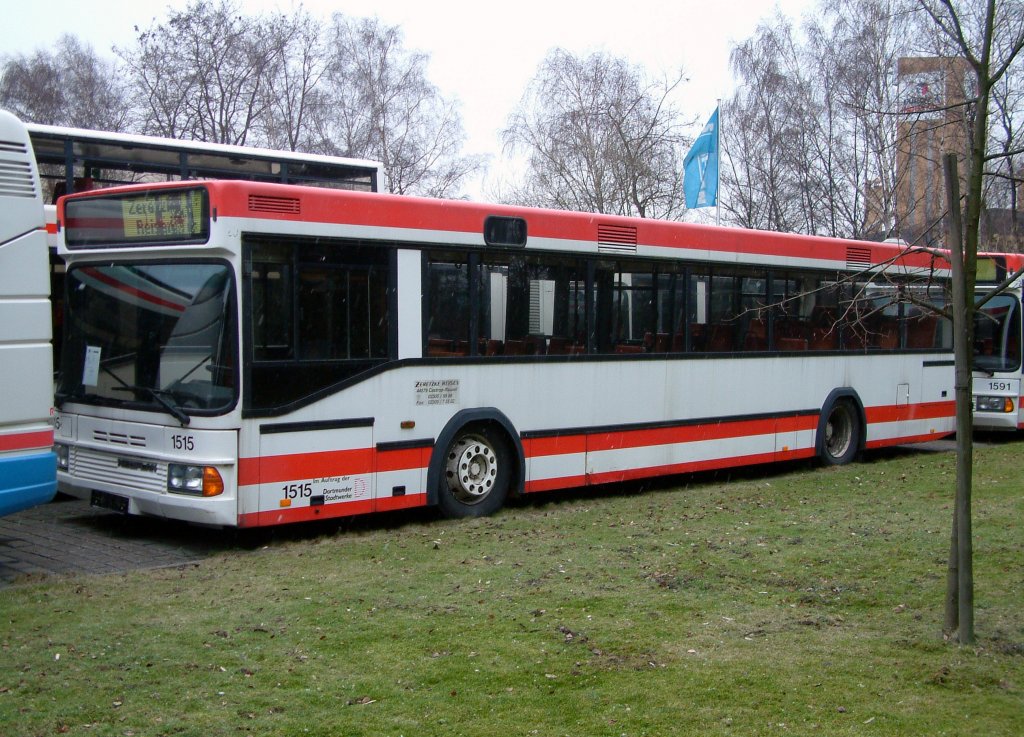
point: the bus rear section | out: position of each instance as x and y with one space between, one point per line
28 471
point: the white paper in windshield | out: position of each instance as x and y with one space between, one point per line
91 369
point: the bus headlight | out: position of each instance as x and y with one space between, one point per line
197 480
994 404
63 454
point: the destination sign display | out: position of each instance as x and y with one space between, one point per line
150 217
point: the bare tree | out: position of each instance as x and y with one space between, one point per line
382 106
990 36
761 176
294 93
863 41
599 137
810 137
70 86
1004 173
203 72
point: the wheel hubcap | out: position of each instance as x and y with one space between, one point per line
472 469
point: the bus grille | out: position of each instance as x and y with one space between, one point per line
616 238
16 179
858 258
119 438
266 203
130 472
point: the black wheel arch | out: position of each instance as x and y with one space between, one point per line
479 416
836 395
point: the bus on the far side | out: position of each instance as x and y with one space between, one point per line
997 395
28 465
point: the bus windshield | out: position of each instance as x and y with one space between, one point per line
997 331
155 336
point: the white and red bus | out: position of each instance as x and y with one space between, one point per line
249 354
28 467
997 395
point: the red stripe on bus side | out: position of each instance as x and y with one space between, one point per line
905 439
330 511
698 433
561 482
275 469
904 412
403 460
554 446
593 442
394 503
630 474
248 471
27 440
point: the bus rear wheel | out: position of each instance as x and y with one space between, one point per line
476 473
841 434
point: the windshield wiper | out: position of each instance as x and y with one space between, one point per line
158 395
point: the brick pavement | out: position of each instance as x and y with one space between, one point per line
68 536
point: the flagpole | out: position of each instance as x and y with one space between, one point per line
718 153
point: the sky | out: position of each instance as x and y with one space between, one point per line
482 54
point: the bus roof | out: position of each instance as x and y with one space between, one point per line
125 152
460 223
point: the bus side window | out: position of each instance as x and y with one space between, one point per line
272 312
530 306
447 307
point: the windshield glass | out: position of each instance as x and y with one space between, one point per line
997 334
152 336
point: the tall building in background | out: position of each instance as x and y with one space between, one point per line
932 92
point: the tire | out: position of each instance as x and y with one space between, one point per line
841 431
475 473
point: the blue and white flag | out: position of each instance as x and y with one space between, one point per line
700 167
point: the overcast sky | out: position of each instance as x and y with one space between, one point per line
482 53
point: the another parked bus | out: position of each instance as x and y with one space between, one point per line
28 467
249 354
997 345
78 159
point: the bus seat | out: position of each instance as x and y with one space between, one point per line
628 348
721 338
823 339
439 347
921 332
558 345
536 345
887 335
791 344
515 348
756 337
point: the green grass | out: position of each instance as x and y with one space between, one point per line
791 600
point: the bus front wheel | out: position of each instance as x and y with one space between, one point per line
475 474
841 439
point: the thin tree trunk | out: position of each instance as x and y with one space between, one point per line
963 328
